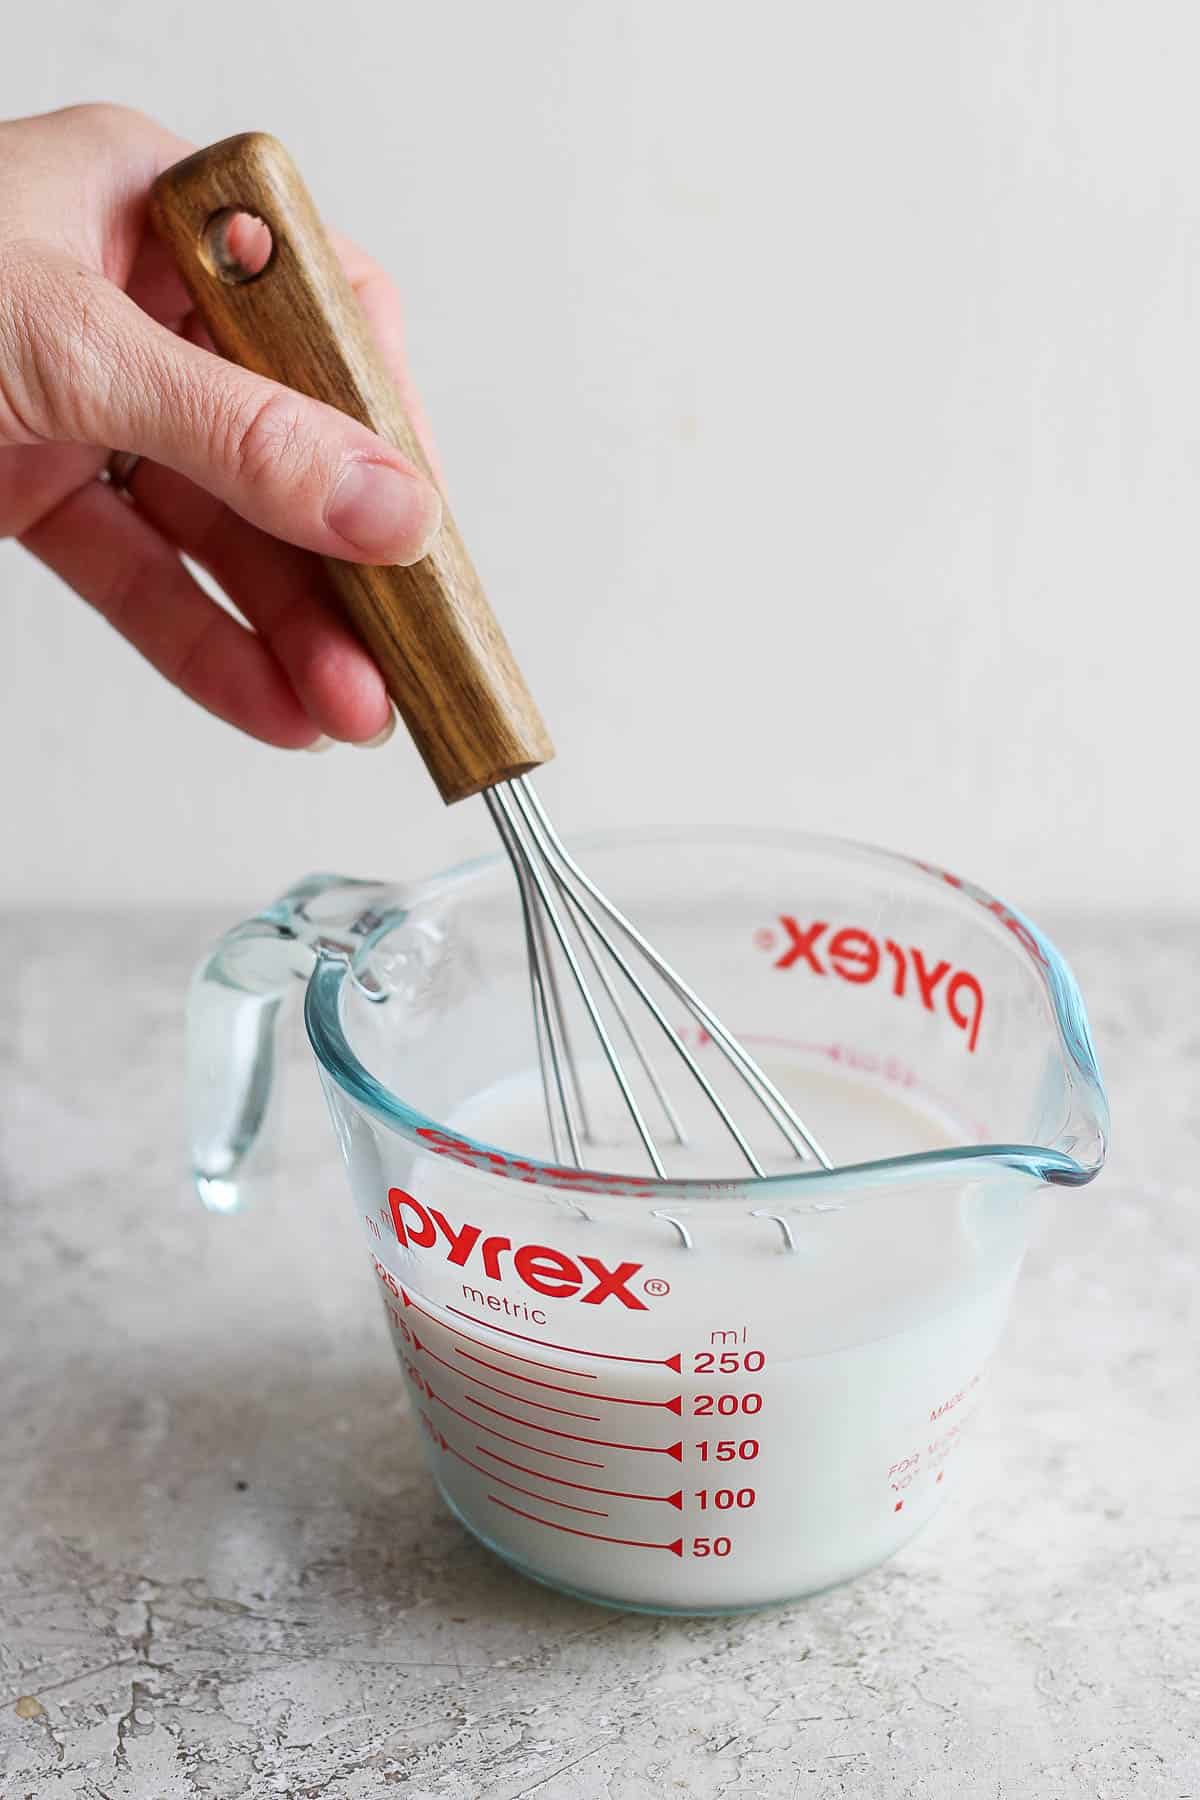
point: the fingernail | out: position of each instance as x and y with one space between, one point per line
381 737
318 744
385 514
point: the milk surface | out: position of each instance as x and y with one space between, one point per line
756 1430
855 1116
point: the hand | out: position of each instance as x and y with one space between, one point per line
100 350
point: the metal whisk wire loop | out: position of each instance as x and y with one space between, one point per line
568 920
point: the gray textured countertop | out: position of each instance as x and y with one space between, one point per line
223 1571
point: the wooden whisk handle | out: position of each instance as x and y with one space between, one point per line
429 627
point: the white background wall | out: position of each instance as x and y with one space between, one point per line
819 388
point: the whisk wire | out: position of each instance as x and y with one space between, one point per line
768 1095
560 903
581 908
579 915
560 1021
500 800
540 967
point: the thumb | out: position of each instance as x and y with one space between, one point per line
298 469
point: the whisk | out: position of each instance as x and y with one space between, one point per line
445 661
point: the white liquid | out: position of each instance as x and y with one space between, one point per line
809 1428
856 1118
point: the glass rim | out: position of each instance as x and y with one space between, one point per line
1048 1163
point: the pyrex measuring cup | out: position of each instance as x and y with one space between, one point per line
707 1393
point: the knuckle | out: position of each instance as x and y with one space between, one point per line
19 399
106 118
89 360
145 583
329 665
184 666
265 439
57 354
126 589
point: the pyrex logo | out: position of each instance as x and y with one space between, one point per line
546 1271
858 957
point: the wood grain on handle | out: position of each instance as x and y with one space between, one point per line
429 627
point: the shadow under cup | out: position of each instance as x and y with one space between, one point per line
717 1391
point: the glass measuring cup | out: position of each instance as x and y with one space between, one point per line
714 1392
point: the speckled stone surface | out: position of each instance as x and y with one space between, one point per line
223 1571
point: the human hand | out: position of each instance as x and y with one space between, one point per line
100 350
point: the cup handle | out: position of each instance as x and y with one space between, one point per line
237 1002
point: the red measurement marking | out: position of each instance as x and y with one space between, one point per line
530 1493
534 1362
676 1548
675 1499
675 1450
675 1405
482 1425
662 1362
568 1412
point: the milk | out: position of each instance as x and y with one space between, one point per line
764 1406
